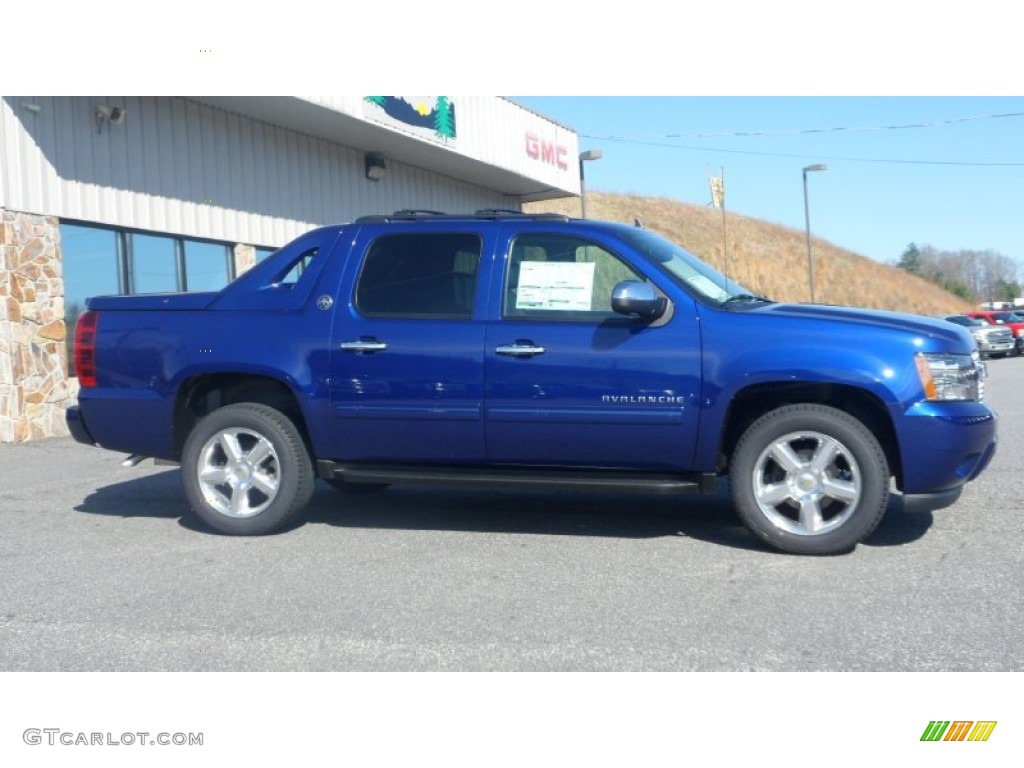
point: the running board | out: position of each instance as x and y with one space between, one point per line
518 477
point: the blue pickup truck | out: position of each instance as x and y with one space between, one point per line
512 350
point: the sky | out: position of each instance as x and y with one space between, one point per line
941 171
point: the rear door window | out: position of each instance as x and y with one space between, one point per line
430 275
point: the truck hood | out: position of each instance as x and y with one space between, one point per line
875 318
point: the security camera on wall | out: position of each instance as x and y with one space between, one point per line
105 113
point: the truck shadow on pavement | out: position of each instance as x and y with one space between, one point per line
552 513
156 495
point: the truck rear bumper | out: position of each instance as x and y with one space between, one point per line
76 425
128 420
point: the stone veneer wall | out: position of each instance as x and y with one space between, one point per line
34 386
35 389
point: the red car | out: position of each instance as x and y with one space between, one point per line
1011 319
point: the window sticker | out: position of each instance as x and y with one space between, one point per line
561 286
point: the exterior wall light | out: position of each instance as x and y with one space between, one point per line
375 167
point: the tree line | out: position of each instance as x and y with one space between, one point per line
975 276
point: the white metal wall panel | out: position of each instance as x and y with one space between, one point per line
493 130
6 131
12 140
155 170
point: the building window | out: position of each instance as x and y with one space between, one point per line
90 261
103 261
154 265
262 253
207 266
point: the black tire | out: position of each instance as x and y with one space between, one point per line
774 475
355 489
246 470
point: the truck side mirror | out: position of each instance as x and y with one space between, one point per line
632 297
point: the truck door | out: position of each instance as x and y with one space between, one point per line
407 353
572 383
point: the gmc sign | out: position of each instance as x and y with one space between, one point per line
546 152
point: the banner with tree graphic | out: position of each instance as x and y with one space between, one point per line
431 117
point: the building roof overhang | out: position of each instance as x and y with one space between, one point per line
329 121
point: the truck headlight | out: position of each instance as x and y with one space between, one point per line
949 376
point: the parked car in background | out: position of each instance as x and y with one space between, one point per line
992 340
1006 318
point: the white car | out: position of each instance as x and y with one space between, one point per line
992 340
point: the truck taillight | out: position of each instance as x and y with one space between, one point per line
85 348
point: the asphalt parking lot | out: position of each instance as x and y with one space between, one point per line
103 570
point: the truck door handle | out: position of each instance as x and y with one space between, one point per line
364 346
520 349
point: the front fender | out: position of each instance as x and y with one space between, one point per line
779 345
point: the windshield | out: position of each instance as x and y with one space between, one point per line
970 322
1008 317
687 269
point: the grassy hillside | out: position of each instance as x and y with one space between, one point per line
767 258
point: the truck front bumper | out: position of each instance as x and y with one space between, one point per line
928 502
944 445
997 348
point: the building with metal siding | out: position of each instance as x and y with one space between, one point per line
186 193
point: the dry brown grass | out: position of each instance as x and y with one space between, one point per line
768 258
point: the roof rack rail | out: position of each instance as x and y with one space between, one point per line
410 214
418 212
404 214
499 212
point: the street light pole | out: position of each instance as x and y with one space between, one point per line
807 221
590 154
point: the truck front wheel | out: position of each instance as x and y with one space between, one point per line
246 470
810 479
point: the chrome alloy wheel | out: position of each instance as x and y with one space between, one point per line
807 483
238 472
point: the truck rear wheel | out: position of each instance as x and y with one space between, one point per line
810 479
246 470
